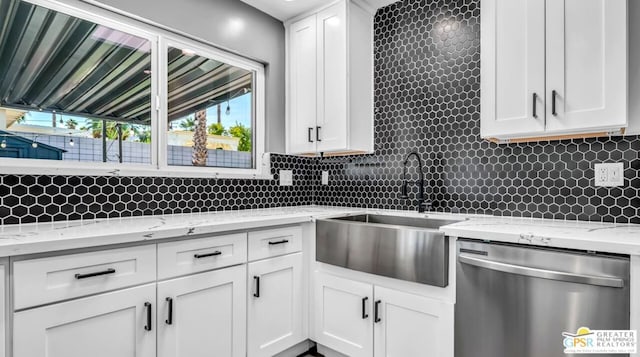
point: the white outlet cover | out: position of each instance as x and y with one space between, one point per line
286 177
325 177
609 174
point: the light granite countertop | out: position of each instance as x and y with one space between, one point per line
46 237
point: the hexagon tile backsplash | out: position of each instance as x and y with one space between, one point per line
427 94
427 88
26 198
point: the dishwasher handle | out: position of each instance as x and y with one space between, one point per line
541 273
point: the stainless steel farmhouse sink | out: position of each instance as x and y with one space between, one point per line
407 248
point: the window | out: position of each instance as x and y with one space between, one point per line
81 91
72 89
210 111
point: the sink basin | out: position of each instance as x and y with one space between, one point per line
417 222
407 248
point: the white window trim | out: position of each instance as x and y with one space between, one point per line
158 166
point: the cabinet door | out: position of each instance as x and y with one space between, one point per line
3 308
513 68
586 64
203 315
332 78
275 305
302 87
342 315
412 325
119 324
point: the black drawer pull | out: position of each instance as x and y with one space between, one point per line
98 273
169 320
535 105
554 94
199 256
279 242
309 135
318 133
257 280
376 312
147 326
364 307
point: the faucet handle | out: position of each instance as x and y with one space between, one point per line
425 206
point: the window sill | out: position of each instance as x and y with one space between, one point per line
46 167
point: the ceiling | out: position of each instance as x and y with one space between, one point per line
286 9
283 9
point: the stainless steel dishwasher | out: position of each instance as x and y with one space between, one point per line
516 301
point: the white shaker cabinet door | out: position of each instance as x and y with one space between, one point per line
119 323
513 69
203 315
342 315
332 130
275 306
412 325
302 88
586 64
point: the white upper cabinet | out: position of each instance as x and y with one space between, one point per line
302 85
512 67
553 67
330 80
586 64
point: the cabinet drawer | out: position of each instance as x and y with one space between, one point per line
192 256
274 242
45 280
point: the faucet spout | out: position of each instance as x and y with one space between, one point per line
423 203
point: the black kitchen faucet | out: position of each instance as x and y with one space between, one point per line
423 203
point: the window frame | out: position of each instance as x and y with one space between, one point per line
258 98
159 38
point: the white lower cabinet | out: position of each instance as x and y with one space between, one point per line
275 307
119 323
203 315
362 320
343 315
412 325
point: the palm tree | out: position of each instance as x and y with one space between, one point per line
71 123
188 124
95 127
200 139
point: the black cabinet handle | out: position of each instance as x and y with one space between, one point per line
535 105
279 242
169 320
98 273
364 308
147 326
257 280
554 94
309 135
318 133
376 311
199 256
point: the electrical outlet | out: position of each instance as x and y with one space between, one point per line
286 177
609 174
325 177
